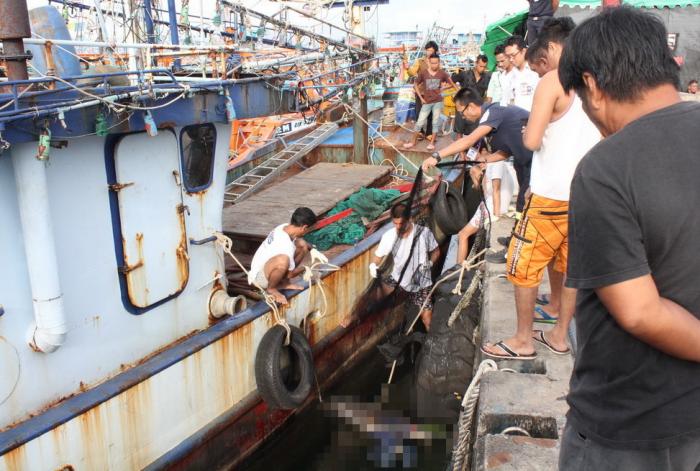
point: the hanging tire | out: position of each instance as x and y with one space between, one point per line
284 375
449 209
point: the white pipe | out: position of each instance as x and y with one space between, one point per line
221 304
291 60
48 331
71 42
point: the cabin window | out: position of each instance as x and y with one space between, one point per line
198 145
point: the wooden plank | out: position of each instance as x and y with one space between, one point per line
320 188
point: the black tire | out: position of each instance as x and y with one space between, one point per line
446 361
284 387
449 209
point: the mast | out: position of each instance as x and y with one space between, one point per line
14 27
174 38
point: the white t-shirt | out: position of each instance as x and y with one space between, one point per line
524 83
277 242
417 274
507 91
564 144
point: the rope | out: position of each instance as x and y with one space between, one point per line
460 452
317 260
465 266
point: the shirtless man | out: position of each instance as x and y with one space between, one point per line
278 258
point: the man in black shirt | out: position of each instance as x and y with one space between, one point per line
502 125
634 253
539 11
477 77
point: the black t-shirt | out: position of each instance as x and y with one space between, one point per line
507 134
466 78
540 8
633 211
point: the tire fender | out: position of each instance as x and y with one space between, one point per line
269 376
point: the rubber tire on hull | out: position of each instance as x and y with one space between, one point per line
449 210
268 371
446 361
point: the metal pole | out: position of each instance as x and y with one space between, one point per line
174 38
148 18
360 131
13 28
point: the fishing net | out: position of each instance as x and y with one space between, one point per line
367 204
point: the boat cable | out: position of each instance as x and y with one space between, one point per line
466 265
460 452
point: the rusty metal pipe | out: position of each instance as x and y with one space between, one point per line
13 28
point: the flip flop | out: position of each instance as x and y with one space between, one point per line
543 300
538 336
508 353
543 317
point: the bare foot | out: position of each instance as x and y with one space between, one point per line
346 321
291 286
408 145
278 297
431 147
521 348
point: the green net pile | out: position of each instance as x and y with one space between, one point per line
367 203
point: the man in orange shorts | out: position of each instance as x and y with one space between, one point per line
560 134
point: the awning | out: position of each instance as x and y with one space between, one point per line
498 32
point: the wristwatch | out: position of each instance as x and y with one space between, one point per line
436 156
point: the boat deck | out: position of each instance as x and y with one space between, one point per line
320 188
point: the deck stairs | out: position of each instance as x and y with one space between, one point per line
258 177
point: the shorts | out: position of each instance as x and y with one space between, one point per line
539 237
479 217
495 170
416 298
261 279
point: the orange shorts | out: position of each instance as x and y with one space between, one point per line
539 237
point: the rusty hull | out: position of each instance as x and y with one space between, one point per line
136 427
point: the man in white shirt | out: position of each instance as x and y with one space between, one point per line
414 250
277 259
524 80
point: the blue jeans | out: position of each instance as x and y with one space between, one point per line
425 110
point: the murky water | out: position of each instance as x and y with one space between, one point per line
317 440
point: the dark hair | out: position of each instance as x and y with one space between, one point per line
692 82
516 41
303 217
469 95
500 49
554 30
482 58
624 49
434 56
433 45
398 210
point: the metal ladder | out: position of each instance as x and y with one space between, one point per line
247 184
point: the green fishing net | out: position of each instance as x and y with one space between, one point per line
367 203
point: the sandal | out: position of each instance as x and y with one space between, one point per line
543 317
542 300
538 336
508 353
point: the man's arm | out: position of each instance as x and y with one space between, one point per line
417 90
413 70
459 145
434 255
638 309
555 5
543 103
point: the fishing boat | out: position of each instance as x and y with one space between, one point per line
122 342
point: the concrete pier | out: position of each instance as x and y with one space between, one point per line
532 398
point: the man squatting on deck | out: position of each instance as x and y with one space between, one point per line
279 257
412 262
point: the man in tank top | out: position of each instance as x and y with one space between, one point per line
560 134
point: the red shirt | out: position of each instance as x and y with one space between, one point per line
432 85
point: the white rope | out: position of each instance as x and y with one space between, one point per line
319 262
460 452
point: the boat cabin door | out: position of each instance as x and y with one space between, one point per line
154 261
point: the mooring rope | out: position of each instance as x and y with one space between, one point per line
460 452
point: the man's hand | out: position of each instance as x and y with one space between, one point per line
373 270
429 163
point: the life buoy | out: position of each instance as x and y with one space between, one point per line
284 375
449 210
